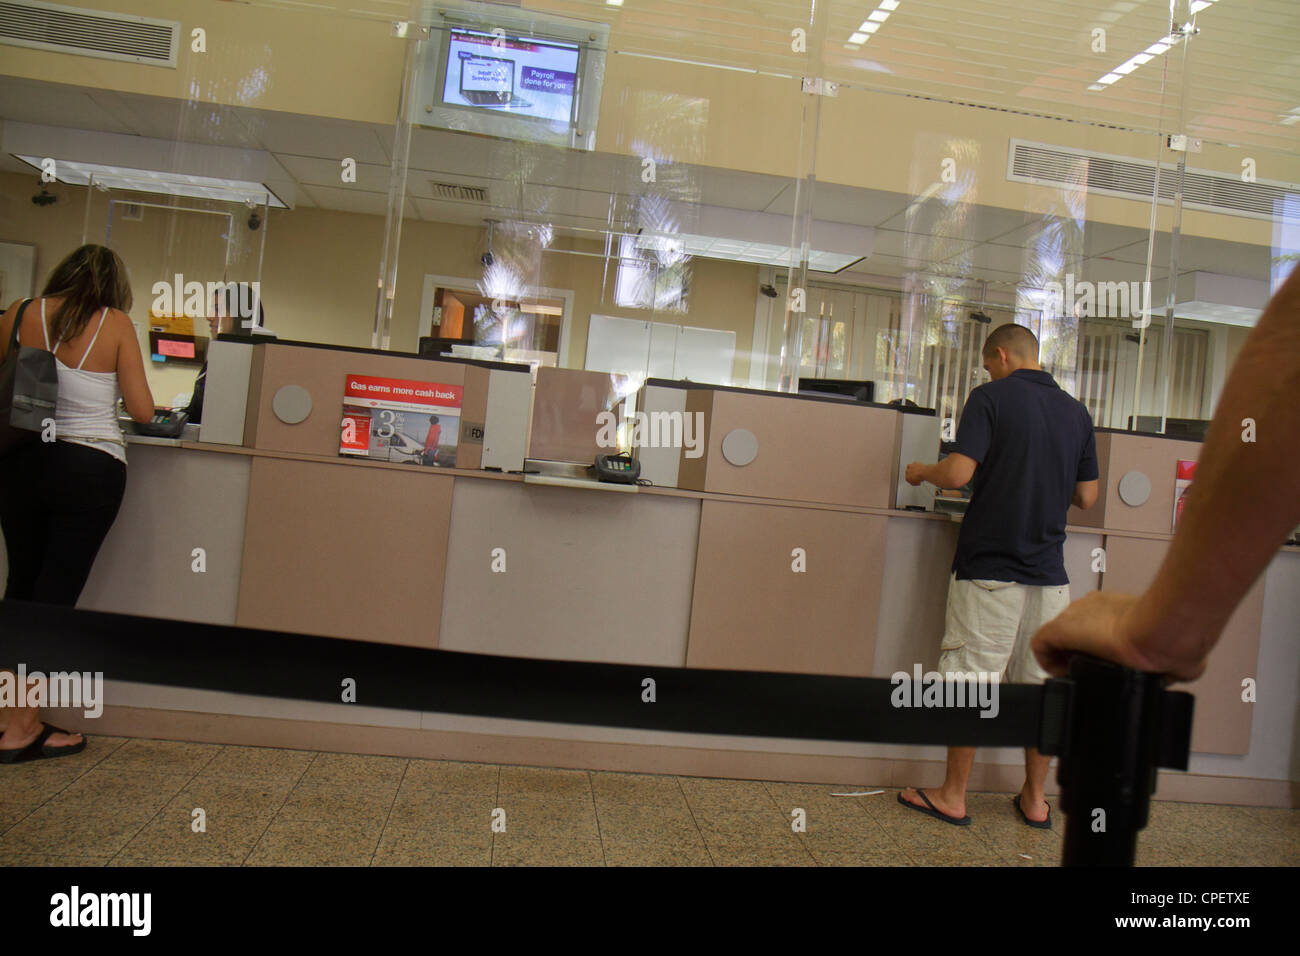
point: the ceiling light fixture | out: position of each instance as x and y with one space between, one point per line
873 21
1163 45
154 181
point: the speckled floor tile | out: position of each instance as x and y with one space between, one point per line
356 770
170 836
160 756
335 806
231 799
732 796
632 789
446 776
161 863
1286 822
259 763
297 844
443 812
536 818
73 831
642 853
130 791
748 828
791 853
558 852
49 860
406 846
631 822
539 782
14 808
808 796
968 854
877 855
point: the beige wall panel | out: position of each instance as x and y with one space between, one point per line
751 611
176 500
345 550
1095 516
323 372
1222 721
914 595
589 575
807 450
1157 458
474 404
693 473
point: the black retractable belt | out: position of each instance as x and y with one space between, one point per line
1110 726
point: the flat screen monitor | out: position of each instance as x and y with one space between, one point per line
519 75
524 76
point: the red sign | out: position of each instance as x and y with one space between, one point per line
399 392
176 349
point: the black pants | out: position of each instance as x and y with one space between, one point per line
57 502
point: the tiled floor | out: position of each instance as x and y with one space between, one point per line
147 802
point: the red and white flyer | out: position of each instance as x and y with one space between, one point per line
393 419
1186 471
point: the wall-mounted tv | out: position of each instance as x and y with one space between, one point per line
513 74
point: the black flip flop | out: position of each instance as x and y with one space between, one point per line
932 811
38 749
1036 824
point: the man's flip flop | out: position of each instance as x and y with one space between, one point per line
38 749
932 811
1036 824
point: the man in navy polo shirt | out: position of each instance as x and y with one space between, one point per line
1030 449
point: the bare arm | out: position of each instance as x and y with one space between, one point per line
955 471
131 379
1085 494
1243 503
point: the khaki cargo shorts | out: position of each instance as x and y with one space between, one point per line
989 624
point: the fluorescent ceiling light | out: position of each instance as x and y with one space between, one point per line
538 308
868 27
1133 62
153 181
880 16
714 247
859 38
888 4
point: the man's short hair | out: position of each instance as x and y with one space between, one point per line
1016 339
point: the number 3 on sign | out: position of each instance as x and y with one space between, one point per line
386 419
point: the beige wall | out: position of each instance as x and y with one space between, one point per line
320 271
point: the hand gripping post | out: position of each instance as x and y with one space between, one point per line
1111 727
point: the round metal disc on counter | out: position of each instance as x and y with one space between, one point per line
740 447
291 404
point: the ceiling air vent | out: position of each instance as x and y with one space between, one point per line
110 36
1135 179
459 193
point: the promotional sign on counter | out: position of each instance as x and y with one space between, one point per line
1182 481
393 419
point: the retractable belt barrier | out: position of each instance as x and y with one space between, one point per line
1110 726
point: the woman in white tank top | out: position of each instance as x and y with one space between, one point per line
58 499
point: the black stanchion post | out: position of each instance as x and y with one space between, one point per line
1118 726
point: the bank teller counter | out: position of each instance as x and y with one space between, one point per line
1142 478
347 546
779 587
